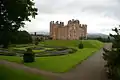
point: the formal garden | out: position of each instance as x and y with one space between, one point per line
56 56
50 55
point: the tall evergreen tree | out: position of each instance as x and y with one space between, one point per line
112 56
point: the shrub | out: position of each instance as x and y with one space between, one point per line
10 54
42 39
29 56
5 52
21 37
80 46
73 50
13 45
62 48
112 57
36 42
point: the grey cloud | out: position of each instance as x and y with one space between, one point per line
50 6
108 8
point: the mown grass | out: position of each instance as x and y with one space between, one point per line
73 43
62 63
8 73
56 63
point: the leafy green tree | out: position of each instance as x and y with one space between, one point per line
21 37
13 15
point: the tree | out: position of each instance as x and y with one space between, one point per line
13 15
80 45
37 41
21 37
112 57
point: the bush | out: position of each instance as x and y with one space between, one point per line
10 54
21 37
62 48
13 45
73 50
29 56
37 40
5 52
112 57
80 46
36 43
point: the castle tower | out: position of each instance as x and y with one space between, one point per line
73 30
51 28
84 33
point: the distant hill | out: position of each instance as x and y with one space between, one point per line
91 35
96 35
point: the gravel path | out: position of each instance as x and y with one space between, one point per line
90 69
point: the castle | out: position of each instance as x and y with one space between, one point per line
72 31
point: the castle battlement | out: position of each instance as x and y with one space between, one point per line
73 30
57 23
73 21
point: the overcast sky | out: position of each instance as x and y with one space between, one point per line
99 15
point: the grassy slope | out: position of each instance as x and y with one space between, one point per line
62 63
73 43
15 74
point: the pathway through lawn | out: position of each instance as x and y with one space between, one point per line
90 69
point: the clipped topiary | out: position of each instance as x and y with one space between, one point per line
80 46
36 43
73 50
9 54
29 56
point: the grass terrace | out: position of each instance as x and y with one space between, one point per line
65 62
8 73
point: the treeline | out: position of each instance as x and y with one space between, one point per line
21 37
109 39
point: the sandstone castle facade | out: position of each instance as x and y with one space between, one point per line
72 31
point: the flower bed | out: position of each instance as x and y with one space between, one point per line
39 51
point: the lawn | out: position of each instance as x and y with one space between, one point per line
56 63
62 63
73 43
7 73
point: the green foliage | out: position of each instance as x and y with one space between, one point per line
9 54
73 50
37 40
100 39
21 37
29 56
13 15
113 57
80 46
42 39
